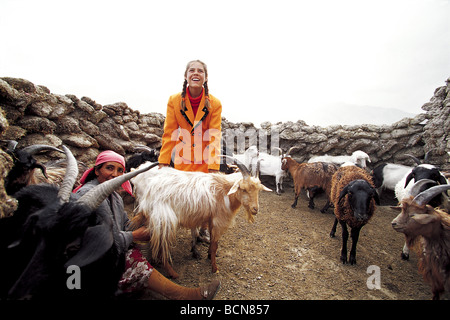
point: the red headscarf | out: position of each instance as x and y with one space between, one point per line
107 156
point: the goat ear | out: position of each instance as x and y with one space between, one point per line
264 188
396 208
234 188
424 218
97 240
408 179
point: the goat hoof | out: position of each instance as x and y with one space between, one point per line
344 260
405 256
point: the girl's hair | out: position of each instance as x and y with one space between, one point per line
205 85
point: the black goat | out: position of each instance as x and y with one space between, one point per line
53 229
24 164
143 154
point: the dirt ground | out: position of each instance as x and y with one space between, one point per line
287 254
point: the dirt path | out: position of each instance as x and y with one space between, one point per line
287 254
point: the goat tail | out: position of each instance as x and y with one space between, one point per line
163 224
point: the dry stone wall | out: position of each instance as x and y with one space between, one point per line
31 114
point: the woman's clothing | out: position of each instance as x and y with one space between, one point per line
137 268
137 272
192 141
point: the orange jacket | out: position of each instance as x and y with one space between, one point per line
193 143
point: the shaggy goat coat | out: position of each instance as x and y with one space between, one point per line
168 198
342 178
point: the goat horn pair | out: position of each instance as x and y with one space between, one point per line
94 197
244 170
417 160
425 196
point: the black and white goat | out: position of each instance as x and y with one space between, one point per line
53 229
404 186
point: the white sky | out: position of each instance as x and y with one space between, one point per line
272 61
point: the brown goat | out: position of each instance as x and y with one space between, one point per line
308 176
354 196
427 229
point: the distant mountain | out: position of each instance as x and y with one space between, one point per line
353 115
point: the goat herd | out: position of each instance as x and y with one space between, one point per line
53 228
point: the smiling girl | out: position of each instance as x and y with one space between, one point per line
192 129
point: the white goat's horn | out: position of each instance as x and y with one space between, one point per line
415 190
70 177
94 197
244 170
425 196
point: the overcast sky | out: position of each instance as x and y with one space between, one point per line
267 60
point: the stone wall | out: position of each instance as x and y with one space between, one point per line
31 114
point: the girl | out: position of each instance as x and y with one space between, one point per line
192 129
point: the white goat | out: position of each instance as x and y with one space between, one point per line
358 157
168 198
270 165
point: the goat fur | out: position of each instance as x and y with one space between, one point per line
168 198
427 230
343 210
308 176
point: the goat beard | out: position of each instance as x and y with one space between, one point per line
250 217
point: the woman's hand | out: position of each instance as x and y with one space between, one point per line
141 234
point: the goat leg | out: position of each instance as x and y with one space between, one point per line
194 234
295 201
212 255
333 229
355 236
326 206
344 242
